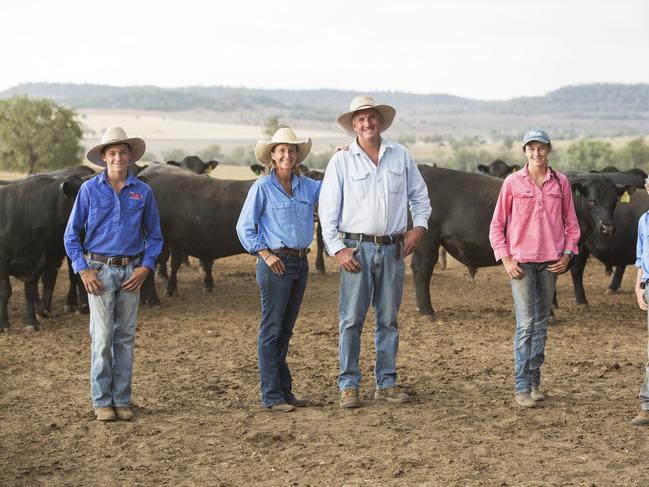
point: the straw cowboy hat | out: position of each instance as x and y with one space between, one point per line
116 135
363 102
282 136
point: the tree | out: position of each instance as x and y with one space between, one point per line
635 153
37 135
586 154
272 125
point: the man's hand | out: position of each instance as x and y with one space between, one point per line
639 294
561 265
411 240
511 268
347 261
134 283
91 282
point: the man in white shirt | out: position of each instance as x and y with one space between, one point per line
363 211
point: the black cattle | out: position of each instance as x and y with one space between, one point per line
498 169
195 164
634 171
33 215
619 178
462 207
198 217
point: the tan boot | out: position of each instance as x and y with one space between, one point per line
536 394
349 399
524 400
642 419
105 414
124 413
282 407
392 395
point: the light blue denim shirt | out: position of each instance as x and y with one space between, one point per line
271 219
361 197
642 246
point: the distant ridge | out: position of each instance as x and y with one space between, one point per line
599 108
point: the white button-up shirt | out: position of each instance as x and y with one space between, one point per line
360 197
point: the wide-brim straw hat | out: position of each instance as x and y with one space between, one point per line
117 135
283 136
364 102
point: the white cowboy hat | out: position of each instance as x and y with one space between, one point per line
116 135
364 102
283 136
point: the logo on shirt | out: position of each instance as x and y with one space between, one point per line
135 196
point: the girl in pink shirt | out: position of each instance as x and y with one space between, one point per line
534 231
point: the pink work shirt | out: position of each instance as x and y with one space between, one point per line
540 222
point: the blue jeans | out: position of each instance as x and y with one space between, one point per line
281 297
533 295
644 390
379 282
112 331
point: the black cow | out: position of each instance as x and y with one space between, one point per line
33 215
634 171
498 169
198 217
195 164
462 206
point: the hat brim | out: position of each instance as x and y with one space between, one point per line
138 148
535 139
264 148
387 112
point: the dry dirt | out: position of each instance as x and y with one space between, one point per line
199 421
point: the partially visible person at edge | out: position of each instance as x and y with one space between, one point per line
276 225
642 294
363 211
118 216
534 231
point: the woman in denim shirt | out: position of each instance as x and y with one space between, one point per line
276 225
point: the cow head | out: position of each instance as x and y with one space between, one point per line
595 200
258 169
498 169
69 186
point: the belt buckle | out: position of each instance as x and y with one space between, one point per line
376 239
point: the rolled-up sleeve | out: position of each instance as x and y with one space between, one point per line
639 246
502 211
418 196
329 206
247 225
74 229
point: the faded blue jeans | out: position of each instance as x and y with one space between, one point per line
644 390
281 297
112 331
380 282
533 295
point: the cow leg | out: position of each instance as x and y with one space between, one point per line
31 299
148 292
442 259
208 279
48 278
616 280
577 274
186 260
162 263
172 283
422 264
319 257
5 294
72 298
82 306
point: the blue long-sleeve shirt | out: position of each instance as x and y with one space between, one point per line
271 219
642 246
123 224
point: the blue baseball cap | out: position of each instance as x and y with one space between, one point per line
536 135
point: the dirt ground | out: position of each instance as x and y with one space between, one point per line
199 421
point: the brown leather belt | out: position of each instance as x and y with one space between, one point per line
295 252
117 260
382 240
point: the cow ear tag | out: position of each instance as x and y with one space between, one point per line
625 198
577 193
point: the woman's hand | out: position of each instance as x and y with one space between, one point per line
511 268
344 147
273 262
561 265
639 294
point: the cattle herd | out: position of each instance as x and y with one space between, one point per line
198 215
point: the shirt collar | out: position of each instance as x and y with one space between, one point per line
526 173
295 181
354 148
130 179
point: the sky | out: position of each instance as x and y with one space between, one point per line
489 49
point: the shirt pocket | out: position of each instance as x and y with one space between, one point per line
396 179
134 212
552 203
101 210
281 212
359 184
304 211
523 203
